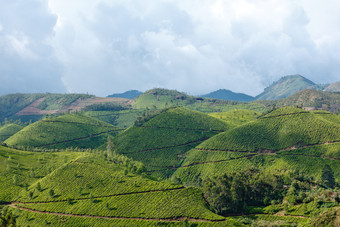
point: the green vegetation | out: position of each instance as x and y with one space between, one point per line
236 117
314 99
285 87
20 169
229 95
120 119
281 129
57 101
334 87
71 130
9 130
161 140
163 98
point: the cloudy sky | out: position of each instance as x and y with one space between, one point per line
197 46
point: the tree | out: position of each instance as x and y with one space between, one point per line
327 177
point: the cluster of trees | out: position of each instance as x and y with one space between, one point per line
236 192
7 218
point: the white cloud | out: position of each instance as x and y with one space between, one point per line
108 46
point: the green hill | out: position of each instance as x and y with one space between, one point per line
71 130
161 141
19 169
287 138
132 94
9 130
285 87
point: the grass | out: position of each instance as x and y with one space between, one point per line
120 119
164 139
236 117
19 169
71 130
9 130
90 176
166 204
275 132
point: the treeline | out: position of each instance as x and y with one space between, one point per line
239 191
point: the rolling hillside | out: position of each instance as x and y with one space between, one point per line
32 107
162 140
70 130
285 87
9 130
287 138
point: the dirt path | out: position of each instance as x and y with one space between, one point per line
185 129
105 196
161 148
81 138
174 219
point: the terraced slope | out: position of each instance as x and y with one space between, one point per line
9 130
236 117
163 140
287 138
19 169
72 130
93 186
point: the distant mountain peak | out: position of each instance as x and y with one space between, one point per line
229 95
132 94
286 86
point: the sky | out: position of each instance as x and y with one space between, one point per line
103 47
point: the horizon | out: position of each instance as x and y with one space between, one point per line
112 46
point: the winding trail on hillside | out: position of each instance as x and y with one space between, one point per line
188 129
78 123
81 138
170 219
263 151
173 146
104 196
253 154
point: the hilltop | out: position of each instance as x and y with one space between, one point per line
132 94
160 140
286 86
70 130
229 95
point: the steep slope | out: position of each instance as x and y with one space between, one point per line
71 130
285 139
162 140
132 94
229 95
285 87
9 130
334 87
